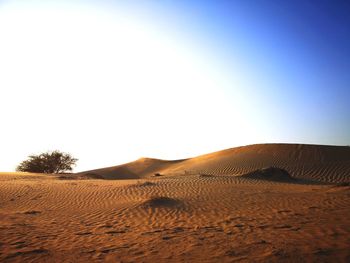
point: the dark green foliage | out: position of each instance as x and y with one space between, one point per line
49 162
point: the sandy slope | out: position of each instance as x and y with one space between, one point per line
133 170
264 216
329 164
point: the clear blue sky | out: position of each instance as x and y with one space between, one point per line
111 81
294 56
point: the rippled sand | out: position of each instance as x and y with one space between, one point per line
212 208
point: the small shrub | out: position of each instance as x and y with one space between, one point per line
49 162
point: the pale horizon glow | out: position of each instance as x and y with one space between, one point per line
109 87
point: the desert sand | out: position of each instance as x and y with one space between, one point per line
258 203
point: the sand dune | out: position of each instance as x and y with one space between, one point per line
220 207
140 168
329 164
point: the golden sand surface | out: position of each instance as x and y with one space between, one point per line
210 208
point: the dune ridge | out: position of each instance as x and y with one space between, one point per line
140 168
320 163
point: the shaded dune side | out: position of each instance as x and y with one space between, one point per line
270 174
329 164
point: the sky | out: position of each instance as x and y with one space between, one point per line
113 81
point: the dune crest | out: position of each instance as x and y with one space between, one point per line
319 163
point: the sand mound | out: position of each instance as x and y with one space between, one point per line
161 201
270 174
147 183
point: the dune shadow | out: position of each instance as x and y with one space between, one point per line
275 174
161 202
